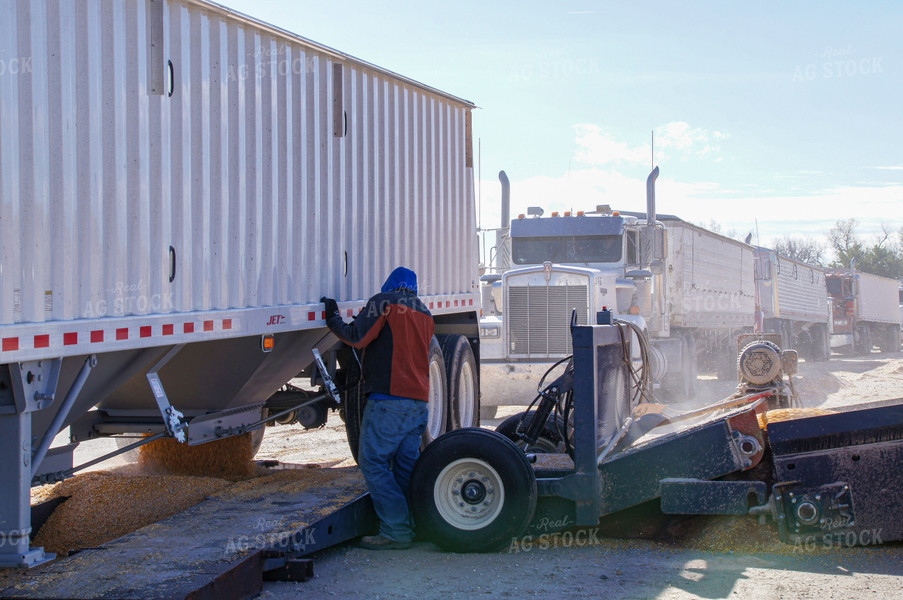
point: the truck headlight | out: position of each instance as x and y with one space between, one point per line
491 331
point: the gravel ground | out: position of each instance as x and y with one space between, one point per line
718 558
590 566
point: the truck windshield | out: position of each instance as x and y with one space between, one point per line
835 287
580 249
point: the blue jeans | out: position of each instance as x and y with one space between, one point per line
389 447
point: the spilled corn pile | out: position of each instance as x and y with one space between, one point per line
229 458
788 414
103 507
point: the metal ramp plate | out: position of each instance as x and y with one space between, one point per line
214 549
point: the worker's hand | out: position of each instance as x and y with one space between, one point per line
331 305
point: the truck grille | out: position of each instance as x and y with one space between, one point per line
539 319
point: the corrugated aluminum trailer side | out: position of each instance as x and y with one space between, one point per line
175 176
793 297
790 289
710 279
878 298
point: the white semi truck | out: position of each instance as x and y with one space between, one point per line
691 290
179 185
865 311
793 300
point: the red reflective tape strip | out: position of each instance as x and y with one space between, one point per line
456 303
145 331
70 339
167 330
188 328
431 306
208 325
311 316
122 334
97 336
471 301
42 341
227 323
10 344
350 313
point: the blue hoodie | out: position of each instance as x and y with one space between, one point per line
401 278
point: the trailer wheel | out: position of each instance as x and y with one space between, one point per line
821 343
681 386
549 441
890 341
353 400
472 490
488 413
461 376
864 341
438 401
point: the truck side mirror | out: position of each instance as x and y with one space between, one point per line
658 241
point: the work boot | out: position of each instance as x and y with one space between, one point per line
379 542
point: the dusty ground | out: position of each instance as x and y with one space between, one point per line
724 558
759 566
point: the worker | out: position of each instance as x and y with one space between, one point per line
396 329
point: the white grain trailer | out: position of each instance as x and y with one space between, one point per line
794 301
180 183
865 311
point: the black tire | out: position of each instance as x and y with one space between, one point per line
821 343
489 469
488 413
864 343
549 441
438 415
353 400
787 340
890 341
461 377
681 386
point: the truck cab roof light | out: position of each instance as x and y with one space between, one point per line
579 213
555 214
616 213
567 213
522 216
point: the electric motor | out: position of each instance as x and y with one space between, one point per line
759 363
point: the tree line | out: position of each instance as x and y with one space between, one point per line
883 255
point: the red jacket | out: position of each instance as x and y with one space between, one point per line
396 329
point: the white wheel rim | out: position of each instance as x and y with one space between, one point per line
466 395
469 494
437 400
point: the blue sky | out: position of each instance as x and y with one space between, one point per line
786 114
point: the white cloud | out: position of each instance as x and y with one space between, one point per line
597 147
680 136
768 214
890 168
